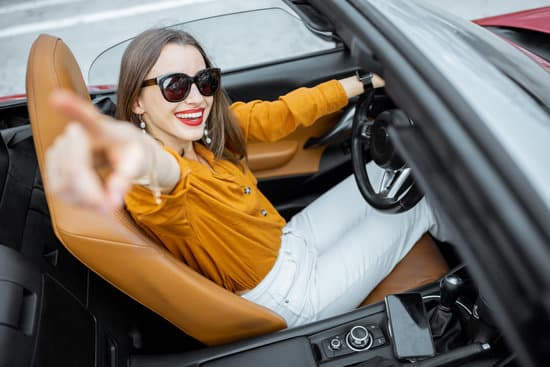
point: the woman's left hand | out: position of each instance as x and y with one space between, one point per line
354 87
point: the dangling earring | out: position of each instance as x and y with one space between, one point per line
142 124
207 139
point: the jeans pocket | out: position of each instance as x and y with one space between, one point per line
284 279
291 284
297 307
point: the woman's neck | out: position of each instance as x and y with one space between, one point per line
184 148
189 152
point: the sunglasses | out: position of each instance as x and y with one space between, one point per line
175 87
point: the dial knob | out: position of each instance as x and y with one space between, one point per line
358 338
335 343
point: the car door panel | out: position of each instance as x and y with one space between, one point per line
265 160
263 157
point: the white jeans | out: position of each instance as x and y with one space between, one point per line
335 251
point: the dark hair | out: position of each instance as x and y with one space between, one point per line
139 58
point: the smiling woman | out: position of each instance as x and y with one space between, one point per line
198 212
464 111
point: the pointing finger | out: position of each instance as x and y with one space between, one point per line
74 180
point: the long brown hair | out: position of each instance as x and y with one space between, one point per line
138 59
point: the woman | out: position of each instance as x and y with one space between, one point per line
182 174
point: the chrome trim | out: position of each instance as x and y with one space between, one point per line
396 185
434 296
369 343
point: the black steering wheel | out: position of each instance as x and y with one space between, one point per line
397 191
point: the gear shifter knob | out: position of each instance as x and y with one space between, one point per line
450 288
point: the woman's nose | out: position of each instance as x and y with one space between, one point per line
194 97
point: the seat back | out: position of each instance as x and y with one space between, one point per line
114 247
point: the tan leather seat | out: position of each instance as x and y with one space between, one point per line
115 248
424 264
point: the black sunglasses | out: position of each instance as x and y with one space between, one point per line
175 87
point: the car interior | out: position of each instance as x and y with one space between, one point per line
78 288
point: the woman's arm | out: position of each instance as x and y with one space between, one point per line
106 157
273 120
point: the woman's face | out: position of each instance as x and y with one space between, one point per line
176 124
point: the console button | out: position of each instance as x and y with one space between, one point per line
335 343
378 342
375 331
359 338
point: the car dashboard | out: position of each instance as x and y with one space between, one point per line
364 337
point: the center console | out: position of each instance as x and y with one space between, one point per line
440 325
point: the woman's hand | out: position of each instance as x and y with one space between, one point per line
354 87
93 163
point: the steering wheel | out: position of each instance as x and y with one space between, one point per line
397 191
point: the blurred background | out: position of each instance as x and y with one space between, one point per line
89 27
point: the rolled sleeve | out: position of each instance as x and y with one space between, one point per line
270 121
171 210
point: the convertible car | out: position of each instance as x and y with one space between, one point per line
464 120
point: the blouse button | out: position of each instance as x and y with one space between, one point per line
263 212
247 190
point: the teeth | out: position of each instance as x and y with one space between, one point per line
193 115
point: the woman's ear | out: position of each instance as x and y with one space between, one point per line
137 107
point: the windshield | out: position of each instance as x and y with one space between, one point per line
229 44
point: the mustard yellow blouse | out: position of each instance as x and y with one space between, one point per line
215 219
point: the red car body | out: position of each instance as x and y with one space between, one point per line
533 19
536 20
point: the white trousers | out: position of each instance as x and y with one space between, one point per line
334 253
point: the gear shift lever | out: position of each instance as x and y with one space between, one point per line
450 288
444 325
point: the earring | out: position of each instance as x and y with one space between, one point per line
207 139
142 124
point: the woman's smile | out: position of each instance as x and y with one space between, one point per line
191 117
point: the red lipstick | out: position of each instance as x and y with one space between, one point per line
191 117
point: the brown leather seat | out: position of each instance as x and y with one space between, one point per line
424 264
115 248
